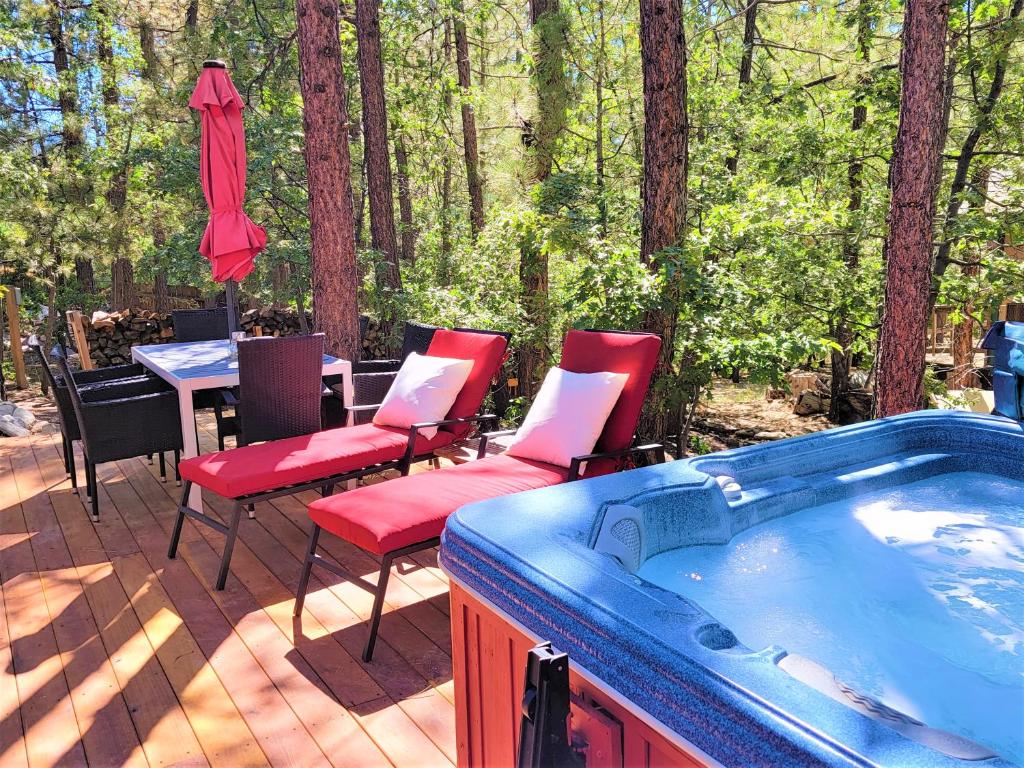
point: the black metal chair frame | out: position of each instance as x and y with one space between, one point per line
388 558
324 484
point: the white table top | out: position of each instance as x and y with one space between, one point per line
204 364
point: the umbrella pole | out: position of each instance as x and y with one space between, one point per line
229 291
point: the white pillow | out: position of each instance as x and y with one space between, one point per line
567 416
423 390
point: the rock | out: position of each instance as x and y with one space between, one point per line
770 435
810 402
858 380
23 416
44 428
7 408
10 427
775 393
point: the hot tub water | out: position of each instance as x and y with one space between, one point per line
913 595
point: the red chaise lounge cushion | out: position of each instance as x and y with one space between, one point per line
304 459
388 516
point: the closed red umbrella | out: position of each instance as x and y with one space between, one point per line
231 240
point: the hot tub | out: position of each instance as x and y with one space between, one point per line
853 597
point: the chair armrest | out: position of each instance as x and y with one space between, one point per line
656 448
486 436
410 449
110 428
228 397
109 373
364 408
119 389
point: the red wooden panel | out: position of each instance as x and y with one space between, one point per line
488 659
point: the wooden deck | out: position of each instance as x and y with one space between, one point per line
111 654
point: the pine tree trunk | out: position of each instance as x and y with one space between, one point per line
405 199
161 296
548 32
908 245
970 144
469 141
665 153
444 264
122 285
375 138
839 409
746 70
602 203
71 127
331 220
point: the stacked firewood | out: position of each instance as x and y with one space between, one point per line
111 335
273 322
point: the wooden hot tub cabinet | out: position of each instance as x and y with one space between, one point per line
488 660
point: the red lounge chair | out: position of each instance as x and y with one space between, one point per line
408 514
320 460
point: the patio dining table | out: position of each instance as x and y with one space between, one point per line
197 365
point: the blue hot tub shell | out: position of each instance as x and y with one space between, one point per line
536 557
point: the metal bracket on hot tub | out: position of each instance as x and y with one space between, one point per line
544 740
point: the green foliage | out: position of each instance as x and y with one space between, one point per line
777 256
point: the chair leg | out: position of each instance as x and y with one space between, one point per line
172 549
64 451
149 458
378 606
307 566
95 493
72 469
177 461
163 468
251 508
229 545
88 480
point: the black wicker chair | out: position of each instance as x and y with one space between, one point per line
371 379
99 384
142 419
203 325
200 324
279 388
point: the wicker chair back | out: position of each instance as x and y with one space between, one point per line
417 338
65 408
200 324
279 387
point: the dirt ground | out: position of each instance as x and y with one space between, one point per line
741 414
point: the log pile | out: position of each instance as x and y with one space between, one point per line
273 322
375 343
111 335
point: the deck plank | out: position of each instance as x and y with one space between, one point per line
302 694
12 734
168 738
105 629
108 734
52 736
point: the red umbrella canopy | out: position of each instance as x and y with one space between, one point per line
231 240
